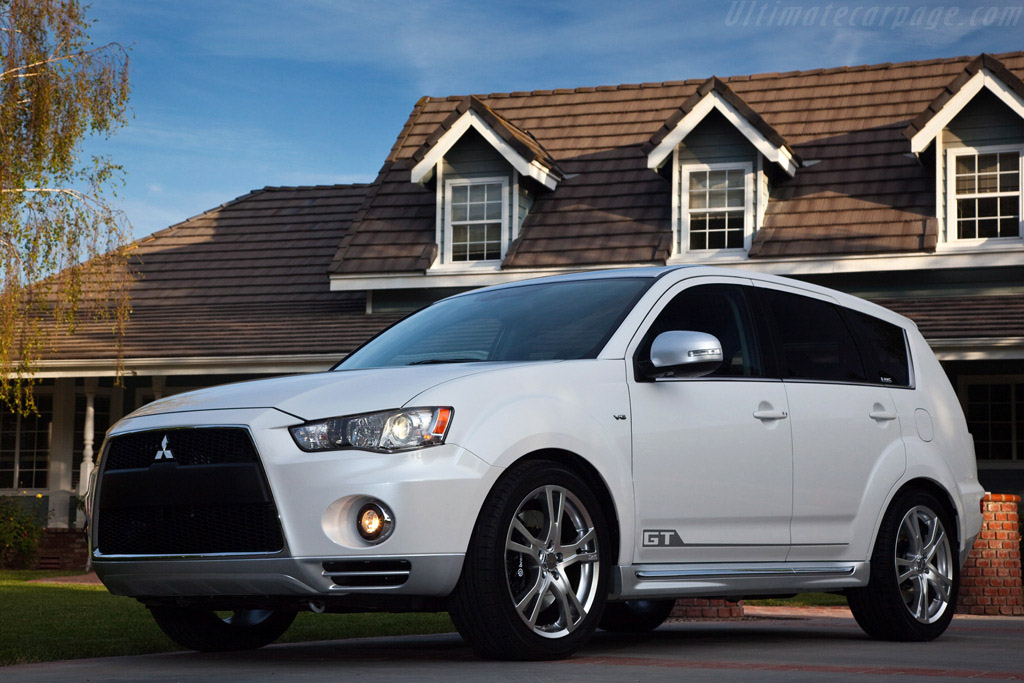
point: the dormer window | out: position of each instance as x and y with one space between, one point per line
717 207
477 219
986 193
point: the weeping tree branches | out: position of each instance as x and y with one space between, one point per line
63 247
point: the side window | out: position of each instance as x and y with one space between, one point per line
812 339
883 347
721 310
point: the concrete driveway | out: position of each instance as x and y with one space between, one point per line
772 645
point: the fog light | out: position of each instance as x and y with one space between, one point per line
374 522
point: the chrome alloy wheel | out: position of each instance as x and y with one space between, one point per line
552 561
924 564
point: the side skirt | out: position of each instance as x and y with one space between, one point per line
735 579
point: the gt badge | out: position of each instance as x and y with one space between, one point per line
661 538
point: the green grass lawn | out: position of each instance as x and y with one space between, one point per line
46 622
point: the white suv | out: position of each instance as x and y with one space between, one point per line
554 456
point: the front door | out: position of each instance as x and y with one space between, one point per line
712 458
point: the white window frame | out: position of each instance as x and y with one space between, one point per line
952 227
682 241
447 231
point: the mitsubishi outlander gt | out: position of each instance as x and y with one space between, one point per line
554 456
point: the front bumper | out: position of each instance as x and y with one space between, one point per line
434 494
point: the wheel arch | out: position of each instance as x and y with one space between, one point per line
934 488
586 471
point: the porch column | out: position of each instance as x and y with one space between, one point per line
88 436
159 381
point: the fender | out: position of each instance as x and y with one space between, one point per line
501 418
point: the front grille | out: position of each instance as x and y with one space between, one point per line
368 573
190 530
198 446
207 495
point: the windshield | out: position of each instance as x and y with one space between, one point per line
547 321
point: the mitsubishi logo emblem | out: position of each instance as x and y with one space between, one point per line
164 451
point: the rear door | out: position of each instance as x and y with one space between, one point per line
846 431
712 462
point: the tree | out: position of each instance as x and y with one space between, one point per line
63 246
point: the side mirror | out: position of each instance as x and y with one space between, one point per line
685 354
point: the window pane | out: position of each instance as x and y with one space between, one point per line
1008 206
720 310
1009 182
459 233
1007 161
883 348
736 179
1009 227
717 199
698 180
988 207
735 198
988 227
988 163
965 164
460 252
476 212
493 212
698 200
476 193
967 229
965 184
716 239
459 193
967 208
735 239
719 180
815 342
988 182
459 212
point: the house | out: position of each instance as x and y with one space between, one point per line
897 182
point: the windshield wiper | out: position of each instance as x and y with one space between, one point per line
437 361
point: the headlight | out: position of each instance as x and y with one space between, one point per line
386 431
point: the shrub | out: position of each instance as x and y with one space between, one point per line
19 534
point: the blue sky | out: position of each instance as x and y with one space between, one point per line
229 96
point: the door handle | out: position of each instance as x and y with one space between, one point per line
878 412
771 414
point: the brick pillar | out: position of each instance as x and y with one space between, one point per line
704 608
991 578
62 549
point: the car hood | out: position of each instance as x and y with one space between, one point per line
325 394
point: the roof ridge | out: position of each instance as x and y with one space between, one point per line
699 81
275 188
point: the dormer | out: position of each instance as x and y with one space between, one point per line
975 127
485 172
717 149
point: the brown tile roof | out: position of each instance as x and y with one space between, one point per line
957 317
858 191
247 278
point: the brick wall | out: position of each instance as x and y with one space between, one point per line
63 549
991 578
702 608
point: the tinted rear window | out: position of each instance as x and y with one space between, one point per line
883 347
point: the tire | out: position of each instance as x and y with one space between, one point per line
204 630
915 572
529 589
635 616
